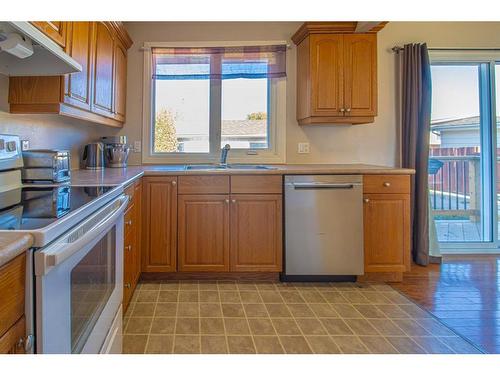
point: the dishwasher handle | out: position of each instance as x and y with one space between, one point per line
321 185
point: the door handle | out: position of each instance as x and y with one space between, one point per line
298 186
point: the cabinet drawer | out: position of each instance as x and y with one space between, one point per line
391 184
12 284
256 184
203 184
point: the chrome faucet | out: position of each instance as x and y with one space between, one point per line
223 154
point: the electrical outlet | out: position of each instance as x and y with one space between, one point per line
137 146
303 148
25 145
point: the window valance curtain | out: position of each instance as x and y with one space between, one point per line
249 62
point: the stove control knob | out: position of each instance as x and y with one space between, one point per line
11 146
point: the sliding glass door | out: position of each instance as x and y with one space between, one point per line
463 156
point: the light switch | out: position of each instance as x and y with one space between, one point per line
25 145
303 148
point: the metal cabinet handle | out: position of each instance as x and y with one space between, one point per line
342 110
127 285
348 110
226 200
128 222
128 247
366 200
234 201
174 183
28 343
387 184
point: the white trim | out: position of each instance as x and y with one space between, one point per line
277 131
469 250
461 56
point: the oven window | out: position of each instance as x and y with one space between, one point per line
92 282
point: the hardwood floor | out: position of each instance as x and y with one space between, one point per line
464 293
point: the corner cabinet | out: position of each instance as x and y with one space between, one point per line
336 77
55 30
97 93
386 215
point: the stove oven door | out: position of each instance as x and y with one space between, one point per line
79 286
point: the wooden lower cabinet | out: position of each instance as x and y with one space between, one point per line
12 297
387 233
159 252
203 233
256 233
132 242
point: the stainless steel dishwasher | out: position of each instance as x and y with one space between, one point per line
323 227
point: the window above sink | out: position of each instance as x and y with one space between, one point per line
200 96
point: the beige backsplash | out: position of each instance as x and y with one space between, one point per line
49 131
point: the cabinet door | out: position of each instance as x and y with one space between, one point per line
360 74
159 252
79 46
120 72
386 232
327 75
203 233
12 342
103 71
256 235
136 273
55 30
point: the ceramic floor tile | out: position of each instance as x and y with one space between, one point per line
187 344
134 344
322 345
327 318
268 345
295 345
213 345
160 344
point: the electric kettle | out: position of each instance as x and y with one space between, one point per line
93 156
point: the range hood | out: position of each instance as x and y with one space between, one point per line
48 59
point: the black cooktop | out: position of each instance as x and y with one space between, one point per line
36 207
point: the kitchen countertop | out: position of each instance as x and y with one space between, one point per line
116 176
12 245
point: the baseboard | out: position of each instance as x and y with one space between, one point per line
382 276
238 276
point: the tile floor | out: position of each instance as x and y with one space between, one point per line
230 317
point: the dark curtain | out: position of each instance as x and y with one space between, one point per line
415 123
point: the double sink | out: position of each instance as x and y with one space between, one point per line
219 167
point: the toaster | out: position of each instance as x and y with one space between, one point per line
46 165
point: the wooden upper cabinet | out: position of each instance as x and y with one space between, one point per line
97 93
203 233
79 46
159 251
256 236
55 30
120 80
327 85
336 74
103 71
360 74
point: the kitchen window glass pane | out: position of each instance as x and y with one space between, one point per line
182 113
497 150
245 113
92 283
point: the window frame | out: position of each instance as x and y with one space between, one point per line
485 60
276 153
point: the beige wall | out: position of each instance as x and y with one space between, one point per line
49 131
374 143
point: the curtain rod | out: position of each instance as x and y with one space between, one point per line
397 49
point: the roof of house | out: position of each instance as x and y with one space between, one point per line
244 127
458 123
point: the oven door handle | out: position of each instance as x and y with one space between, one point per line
62 249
